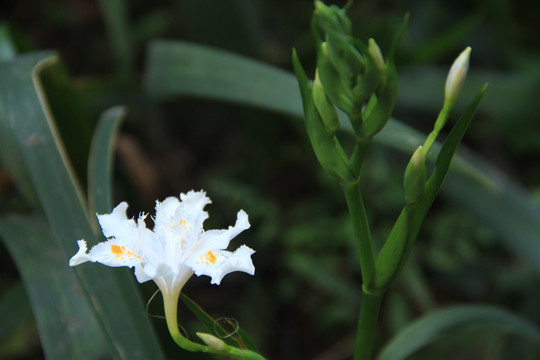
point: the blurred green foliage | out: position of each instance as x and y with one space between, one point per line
302 302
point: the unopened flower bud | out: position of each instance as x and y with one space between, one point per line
212 341
326 109
332 18
376 54
334 85
414 180
456 77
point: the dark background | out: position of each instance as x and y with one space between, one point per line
304 299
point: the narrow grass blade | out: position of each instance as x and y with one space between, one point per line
112 291
453 320
67 326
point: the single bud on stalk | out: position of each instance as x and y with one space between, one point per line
456 77
376 54
415 177
212 341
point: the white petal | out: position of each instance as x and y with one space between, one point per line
81 256
117 225
165 211
196 200
219 239
114 253
141 275
174 283
218 263
192 211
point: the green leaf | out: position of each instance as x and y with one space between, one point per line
64 316
178 69
8 48
115 15
14 309
101 160
10 154
447 322
111 291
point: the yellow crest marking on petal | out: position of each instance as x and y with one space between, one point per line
117 250
182 222
120 252
208 258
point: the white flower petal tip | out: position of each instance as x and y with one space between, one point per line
242 220
456 76
217 264
175 249
81 256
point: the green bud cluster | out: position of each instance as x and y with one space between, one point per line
352 73
350 77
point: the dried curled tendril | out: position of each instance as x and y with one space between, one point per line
222 324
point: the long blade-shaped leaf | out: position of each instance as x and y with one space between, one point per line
112 292
115 16
101 159
64 316
450 321
10 154
179 68
14 309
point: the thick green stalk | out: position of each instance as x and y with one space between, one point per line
361 230
367 324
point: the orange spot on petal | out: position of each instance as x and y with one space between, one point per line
117 250
208 258
120 252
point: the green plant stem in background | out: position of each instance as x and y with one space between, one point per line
367 323
357 210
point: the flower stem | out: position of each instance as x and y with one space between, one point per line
170 304
367 324
361 230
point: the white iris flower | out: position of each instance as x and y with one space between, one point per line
177 248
